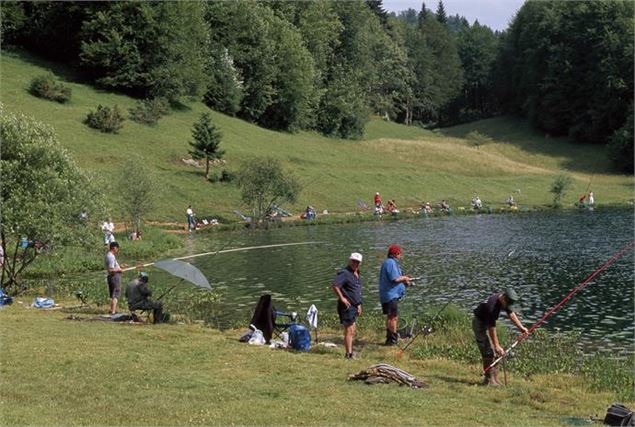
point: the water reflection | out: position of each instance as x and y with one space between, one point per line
465 255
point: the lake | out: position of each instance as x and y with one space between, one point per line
463 256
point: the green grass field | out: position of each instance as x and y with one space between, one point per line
63 372
408 164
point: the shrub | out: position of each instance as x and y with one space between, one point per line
149 111
559 188
46 87
105 119
477 139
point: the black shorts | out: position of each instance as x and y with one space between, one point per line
391 308
482 339
348 316
114 285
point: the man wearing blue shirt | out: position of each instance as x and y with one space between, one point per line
392 286
347 285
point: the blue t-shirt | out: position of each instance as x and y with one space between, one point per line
350 285
388 289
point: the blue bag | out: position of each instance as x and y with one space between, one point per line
41 302
299 338
4 298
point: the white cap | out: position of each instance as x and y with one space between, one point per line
377 194
356 256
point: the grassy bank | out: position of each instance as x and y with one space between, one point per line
408 164
57 371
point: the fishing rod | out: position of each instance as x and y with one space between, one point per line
427 329
556 307
249 248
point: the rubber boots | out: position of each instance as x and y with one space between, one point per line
491 376
392 338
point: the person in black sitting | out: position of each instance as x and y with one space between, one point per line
484 326
138 295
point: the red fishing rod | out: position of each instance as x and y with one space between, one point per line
555 308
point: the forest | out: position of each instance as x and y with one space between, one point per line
327 66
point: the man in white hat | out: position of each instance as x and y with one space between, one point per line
347 285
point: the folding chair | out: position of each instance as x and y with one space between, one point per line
265 316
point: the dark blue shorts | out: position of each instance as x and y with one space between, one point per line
391 308
348 316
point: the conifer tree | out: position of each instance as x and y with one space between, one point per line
206 144
441 16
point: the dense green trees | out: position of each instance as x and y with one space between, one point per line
326 65
147 48
43 193
568 66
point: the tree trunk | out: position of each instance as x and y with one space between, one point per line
206 167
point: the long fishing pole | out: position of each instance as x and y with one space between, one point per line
555 308
427 329
249 248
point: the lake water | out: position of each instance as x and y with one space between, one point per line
466 256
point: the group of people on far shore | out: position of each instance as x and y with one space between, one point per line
348 288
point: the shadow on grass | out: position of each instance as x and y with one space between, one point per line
585 158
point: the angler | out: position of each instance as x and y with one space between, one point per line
484 326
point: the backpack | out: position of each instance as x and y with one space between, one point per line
299 338
619 415
4 298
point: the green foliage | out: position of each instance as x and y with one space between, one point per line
440 14
43 193
620 146
559 188
206 141
343 112
615 375
263 183
149 111
269 55
225 89
46 87
105 119
12 19
477 139
138 191
196 305
151 49
568 66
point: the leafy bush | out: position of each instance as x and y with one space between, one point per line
46 87
477 139
559 188
105 119
149 111
224 176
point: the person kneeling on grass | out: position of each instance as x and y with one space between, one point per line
347 285
138 295
484 327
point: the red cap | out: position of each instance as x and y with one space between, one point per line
394 250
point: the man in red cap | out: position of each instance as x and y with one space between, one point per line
392 286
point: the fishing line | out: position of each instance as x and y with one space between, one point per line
249 248
427 329
555 308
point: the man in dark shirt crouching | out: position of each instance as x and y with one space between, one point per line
484 326
138 295
347 285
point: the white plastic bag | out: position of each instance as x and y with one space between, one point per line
257 338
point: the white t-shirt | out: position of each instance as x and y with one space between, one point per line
108 226
111 262
189 211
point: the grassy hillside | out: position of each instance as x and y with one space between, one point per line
408 164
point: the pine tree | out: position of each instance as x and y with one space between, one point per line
422 15
206 141
441 16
